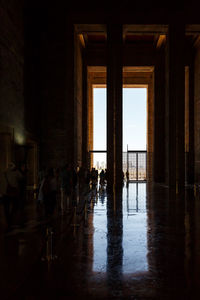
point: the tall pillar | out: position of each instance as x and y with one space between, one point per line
90 119
114 104
175 105
190 177
70 107
159 120
85 127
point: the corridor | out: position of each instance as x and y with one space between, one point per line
141 244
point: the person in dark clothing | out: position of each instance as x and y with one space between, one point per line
106 175
81 175
74 178
9 191
94 176
66 187
102 177
22 186
127 176
49 193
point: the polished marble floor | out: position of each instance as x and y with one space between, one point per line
140 243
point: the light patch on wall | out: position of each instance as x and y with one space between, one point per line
19 138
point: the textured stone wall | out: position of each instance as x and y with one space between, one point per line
53 84
34 40
12 68
19 116
56 87
55 109
159 118
197 114
78 97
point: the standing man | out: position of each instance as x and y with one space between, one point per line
66 187
9 190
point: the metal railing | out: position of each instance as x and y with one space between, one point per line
134 161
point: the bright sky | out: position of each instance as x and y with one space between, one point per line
99 138
134 119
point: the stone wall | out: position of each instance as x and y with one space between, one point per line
54 58
12 69
159 118
18 105
197 114
12 127
78 99
55 109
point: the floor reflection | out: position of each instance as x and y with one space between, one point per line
100 232
120 232
114 243
135 229
142 243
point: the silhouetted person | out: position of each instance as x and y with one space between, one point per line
74 177
22 185
80 176
87 177
127 176
49 192
106 175
102 177
9 189
94 176
66 186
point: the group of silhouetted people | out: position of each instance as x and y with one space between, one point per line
62 184
53 183
56 187
90 177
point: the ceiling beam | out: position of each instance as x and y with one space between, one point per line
191 29
90 28
140 69
145 29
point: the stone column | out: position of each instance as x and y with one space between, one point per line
114 104
175 105
197 115
90 120
70 106
85 118
190 176
78 99
159 119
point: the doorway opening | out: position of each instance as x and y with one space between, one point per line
135 132
133 78
99 127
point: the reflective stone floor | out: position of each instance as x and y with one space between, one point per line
142 243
